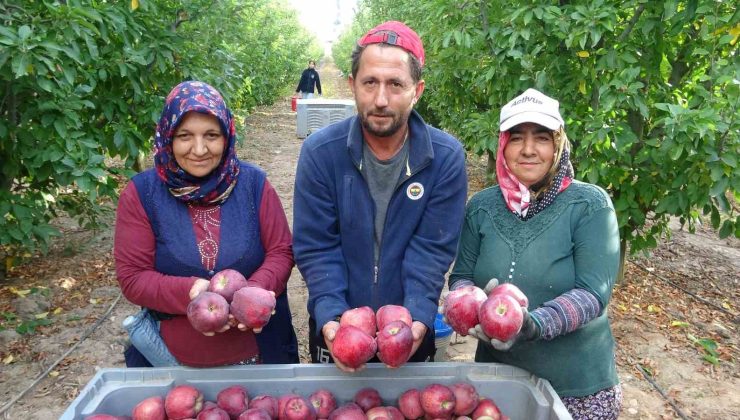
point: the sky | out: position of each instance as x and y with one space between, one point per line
325 18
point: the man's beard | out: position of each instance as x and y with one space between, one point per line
397 121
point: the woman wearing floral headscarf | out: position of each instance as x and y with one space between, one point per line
199 211
557 240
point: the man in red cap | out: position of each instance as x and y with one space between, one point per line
379 199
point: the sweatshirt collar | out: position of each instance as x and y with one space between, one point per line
420 142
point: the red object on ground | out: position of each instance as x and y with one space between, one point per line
294 103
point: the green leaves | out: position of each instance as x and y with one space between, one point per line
708 347
85 82
648 91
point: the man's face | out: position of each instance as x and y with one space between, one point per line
311 64
384 91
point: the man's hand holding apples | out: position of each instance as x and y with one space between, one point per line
419 330
329 331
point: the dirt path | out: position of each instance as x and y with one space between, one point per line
75 286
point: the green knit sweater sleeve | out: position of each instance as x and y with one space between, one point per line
596 246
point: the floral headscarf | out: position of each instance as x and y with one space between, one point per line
215 187
519 199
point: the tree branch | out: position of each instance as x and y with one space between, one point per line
631 24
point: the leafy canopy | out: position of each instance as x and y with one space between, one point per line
84 81
649 91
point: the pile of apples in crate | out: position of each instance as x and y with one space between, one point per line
435 401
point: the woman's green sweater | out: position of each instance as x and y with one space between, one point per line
573 243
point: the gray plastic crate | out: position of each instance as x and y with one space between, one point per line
519 394
314 114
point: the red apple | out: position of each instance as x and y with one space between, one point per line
151 408
323 402
352 347
368 398
362 318
349 411
282 402
298 408
384 413
461 308
466 398
234 400
253 306
209 404
213 413
438 401
395 341
267 403
410 404
208 312
390 313
487 409
501 317
182 402
255 414
226 282
511 290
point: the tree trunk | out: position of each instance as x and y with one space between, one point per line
140 162
491 169
622 260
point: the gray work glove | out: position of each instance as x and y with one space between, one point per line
458 285
529 331
490 285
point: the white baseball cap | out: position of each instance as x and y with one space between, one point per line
531 106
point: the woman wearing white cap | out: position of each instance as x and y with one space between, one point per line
556 239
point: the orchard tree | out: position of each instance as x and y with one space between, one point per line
84 81
342 48
649 92
79 83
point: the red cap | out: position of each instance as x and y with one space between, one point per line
395 33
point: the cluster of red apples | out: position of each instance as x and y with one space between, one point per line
499 313
459 401
362 333
229 293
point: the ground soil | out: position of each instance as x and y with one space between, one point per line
655 318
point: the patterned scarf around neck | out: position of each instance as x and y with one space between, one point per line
215 187
517 196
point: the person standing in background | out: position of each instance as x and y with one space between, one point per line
309 82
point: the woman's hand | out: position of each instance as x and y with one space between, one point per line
199 286
222 329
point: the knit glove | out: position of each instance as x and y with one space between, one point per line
529 331
490 285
